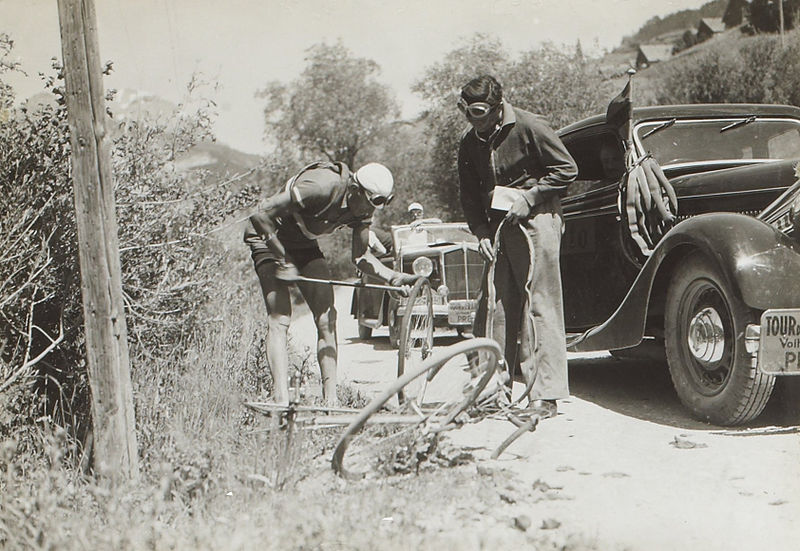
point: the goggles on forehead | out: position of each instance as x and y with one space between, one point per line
476 110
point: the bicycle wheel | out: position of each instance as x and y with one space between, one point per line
454 383
416 329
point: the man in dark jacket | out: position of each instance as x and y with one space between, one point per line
513 169
282 236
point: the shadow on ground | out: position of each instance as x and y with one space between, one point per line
639 388
380 341
643 389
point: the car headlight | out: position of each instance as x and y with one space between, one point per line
442 291
422 266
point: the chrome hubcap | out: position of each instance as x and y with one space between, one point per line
706 336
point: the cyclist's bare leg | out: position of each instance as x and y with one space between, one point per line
320 301
279 313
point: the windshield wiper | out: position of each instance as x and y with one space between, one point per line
737 124
662 126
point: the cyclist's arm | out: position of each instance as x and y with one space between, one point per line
264 221
363 258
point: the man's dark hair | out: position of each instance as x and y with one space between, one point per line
484 88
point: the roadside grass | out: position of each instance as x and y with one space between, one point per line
215 475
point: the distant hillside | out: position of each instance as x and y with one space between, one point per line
674 23
218 158
648 80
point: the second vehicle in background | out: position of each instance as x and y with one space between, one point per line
445 253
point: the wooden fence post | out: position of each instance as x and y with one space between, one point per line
115 450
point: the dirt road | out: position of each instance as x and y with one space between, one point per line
623 463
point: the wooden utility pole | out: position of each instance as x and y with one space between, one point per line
115 450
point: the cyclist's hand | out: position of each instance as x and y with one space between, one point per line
404 290
400 279
287 272
486 249
404 281
520 209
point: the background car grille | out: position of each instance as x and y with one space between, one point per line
463 269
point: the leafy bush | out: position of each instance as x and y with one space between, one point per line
168 220
41 334
753 69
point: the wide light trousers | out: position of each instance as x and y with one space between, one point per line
527 317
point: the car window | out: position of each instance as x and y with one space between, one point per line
600 159
784 144
741 138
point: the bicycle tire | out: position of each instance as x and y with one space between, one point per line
416 330
440 419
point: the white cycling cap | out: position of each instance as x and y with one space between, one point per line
414 206
376 179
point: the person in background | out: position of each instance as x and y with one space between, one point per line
416 215
507 146
415 212
282 236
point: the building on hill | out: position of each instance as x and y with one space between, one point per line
708 27
647 54
736 13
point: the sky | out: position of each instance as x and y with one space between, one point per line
156 45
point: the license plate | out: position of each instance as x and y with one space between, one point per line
461 312
779 345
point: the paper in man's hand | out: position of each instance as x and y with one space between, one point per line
503 197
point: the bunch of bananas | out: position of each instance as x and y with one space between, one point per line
650 204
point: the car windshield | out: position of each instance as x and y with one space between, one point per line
735 138
431 234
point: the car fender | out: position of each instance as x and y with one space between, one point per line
758 262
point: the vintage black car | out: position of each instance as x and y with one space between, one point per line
445 253
719 295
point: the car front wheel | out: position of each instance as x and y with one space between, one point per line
704 326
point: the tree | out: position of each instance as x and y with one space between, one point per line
735 13
439 86
334 108
765 15
560 83
6 65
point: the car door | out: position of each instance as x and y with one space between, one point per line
596 270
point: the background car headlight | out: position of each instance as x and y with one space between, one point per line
423 266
